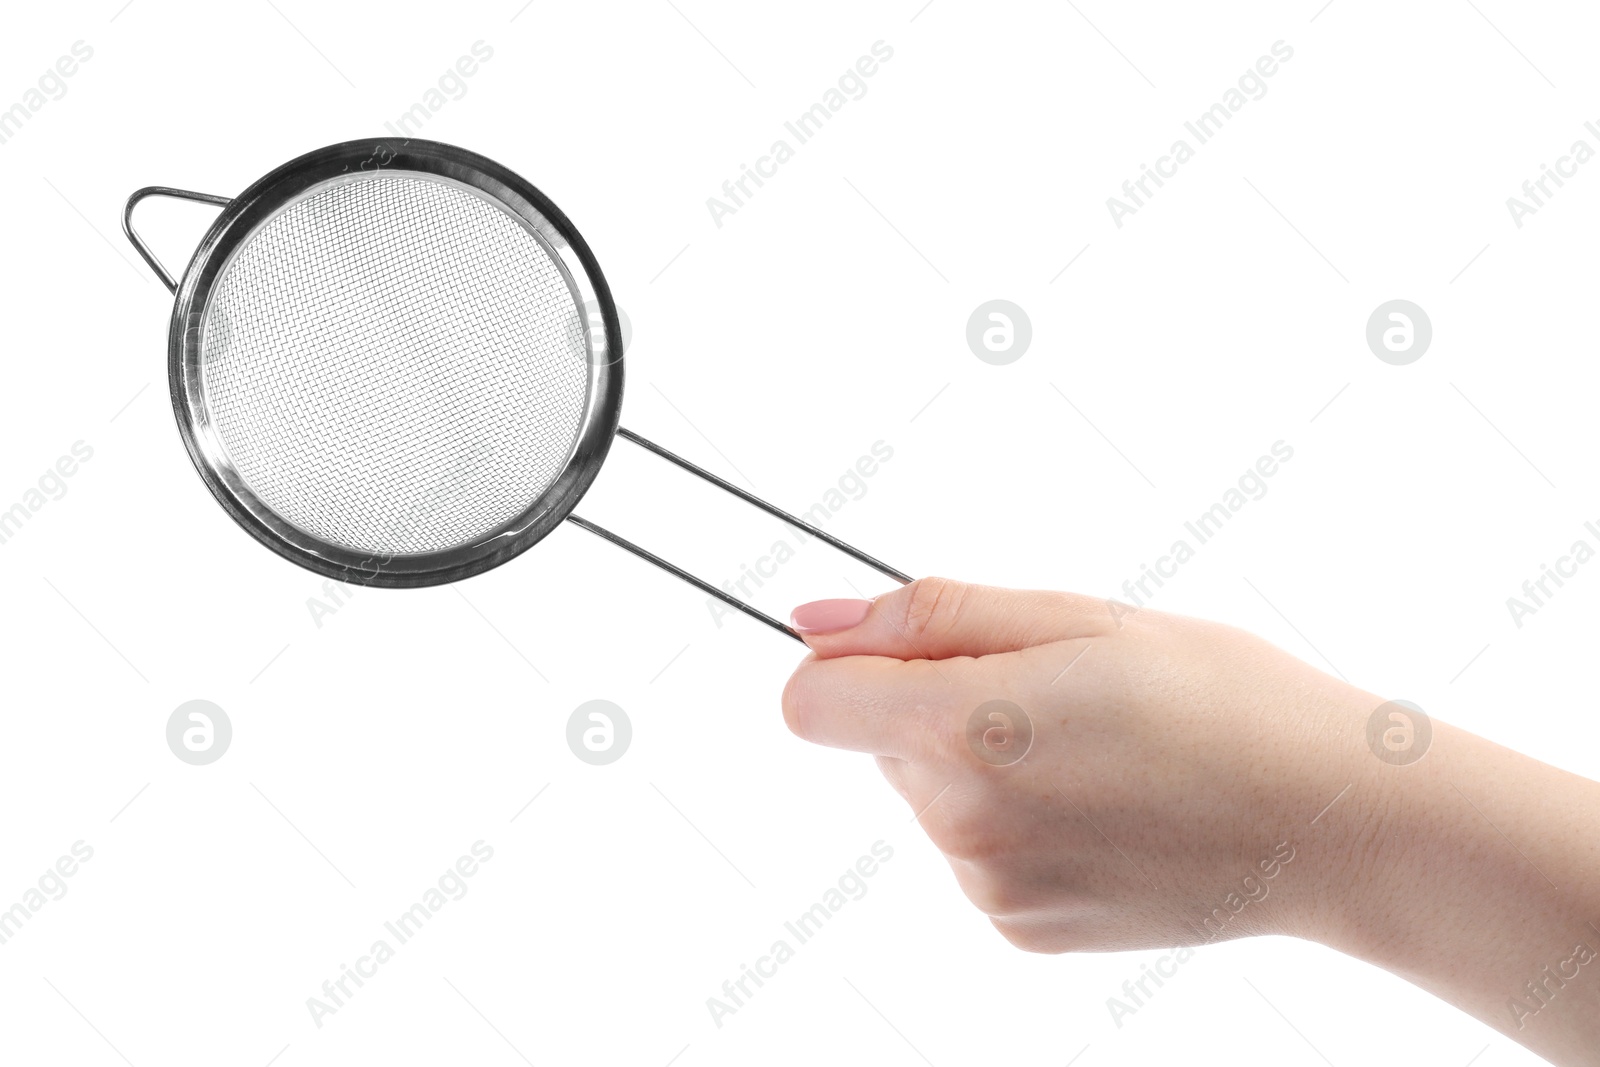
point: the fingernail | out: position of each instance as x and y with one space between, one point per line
829 616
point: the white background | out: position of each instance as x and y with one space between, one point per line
827 314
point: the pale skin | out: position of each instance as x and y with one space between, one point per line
1171 759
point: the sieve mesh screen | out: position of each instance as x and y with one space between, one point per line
394 365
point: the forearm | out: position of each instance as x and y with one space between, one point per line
1479 880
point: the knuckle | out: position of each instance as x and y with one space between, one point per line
932 608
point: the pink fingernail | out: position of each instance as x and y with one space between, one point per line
829 616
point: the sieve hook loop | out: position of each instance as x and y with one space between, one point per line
138 242
749 498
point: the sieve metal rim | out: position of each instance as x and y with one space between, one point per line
603 402
243 217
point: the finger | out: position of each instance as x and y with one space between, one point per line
870 704
937 618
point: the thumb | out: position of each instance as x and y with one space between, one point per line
937 618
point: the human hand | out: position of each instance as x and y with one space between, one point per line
1096 782
1102 778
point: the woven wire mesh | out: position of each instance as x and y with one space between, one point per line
394 365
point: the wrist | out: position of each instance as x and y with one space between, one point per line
1467 874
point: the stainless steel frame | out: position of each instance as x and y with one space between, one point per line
243 215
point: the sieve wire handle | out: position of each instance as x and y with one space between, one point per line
749 498
138 242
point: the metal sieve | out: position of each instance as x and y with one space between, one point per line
396 363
